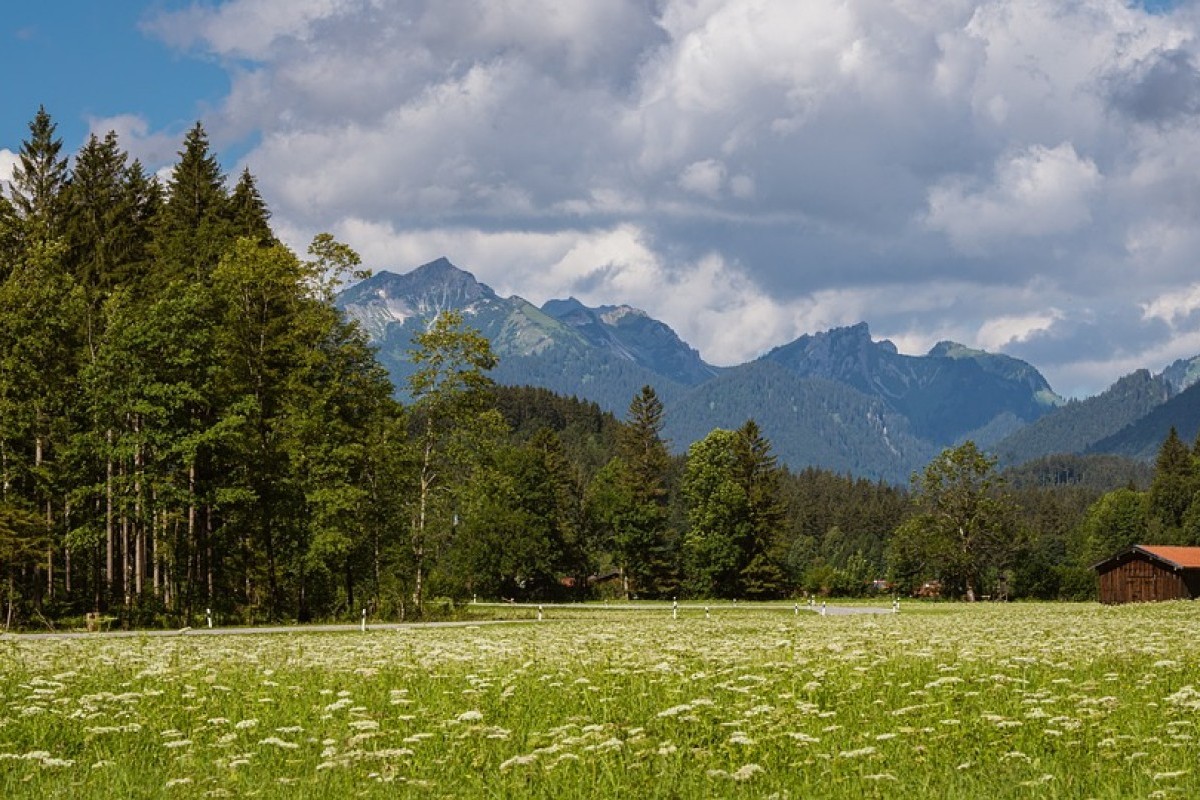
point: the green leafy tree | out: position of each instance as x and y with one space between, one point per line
629 527
963 527
452 419
731 488
1114 522
509 542
22 539
39 345
338 396
719 525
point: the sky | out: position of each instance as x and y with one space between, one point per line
1014 175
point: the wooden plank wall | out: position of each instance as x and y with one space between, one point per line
1140 580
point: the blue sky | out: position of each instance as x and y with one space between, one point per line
1015 175
87 60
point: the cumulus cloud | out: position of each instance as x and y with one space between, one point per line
1012 174
1036 192
998 333
133 131
1175 306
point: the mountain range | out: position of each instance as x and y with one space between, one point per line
837 399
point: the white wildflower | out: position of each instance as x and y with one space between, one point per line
862 751
746 772
277 742
517 761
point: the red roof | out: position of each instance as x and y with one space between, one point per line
1185 557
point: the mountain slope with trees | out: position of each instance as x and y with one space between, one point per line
1079 425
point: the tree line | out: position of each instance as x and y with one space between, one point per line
188 423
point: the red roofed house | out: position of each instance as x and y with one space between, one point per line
1150 572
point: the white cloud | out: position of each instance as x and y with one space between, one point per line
243 29
998 333
703 178
1175 305
8 162
136 138
748 169
1036 192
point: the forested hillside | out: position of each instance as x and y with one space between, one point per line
1080 425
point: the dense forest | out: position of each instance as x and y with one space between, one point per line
187 423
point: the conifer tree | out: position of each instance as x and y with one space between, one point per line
1173 485
630 499
757 472
193 228
39 179
95 203
248 213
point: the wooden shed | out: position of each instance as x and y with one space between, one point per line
1150 572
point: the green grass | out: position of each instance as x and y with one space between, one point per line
990 701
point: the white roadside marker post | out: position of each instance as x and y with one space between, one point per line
539 612
364 621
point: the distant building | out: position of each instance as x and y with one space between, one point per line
1147 573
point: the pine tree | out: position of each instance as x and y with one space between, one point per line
641 446
39 179
248 213
631 495
757 472
1173 485
193 227
95 206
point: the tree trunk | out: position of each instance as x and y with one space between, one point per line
139 559
193 546
67 550
109 577
208 555
418 539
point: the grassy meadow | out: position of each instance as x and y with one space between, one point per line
985 701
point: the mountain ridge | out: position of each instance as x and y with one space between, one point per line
837 399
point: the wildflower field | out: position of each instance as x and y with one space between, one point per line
987 701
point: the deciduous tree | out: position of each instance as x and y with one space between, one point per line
963 526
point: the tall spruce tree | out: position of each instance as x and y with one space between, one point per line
38 180
757 471
94 203
193 227
1172 488
248 213
630 498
